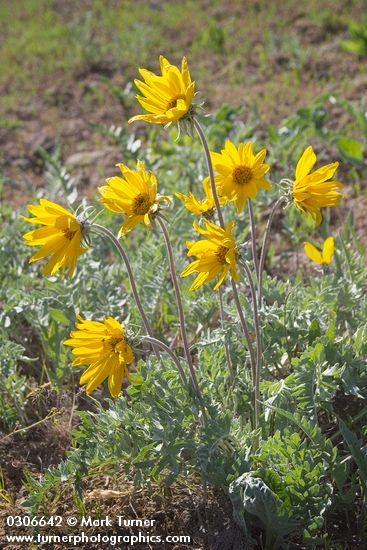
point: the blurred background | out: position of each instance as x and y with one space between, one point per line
66 71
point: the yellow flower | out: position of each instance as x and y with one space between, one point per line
240 172
135 194
60 237
201 206
324 257
312 191
216 255
168 97
103 348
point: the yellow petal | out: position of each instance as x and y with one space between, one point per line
328 250
115 380
313 253
305 163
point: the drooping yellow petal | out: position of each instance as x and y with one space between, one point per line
115 380
102 347
328 250
313 253
60 237
166 98
313 191
216 255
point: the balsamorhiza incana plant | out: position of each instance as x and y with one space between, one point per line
235 175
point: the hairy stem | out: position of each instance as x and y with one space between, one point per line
181 314
99 229
258 343
226 348
264 247
174 358
246 331
204 142
253 238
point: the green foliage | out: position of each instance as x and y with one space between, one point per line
14 385
252 498
357 44
212 37
296 469
358 452
314 337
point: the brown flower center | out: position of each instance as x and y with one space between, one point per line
141 204
221 254
242 175
69 234
173 102
114 342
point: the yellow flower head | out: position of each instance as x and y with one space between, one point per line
167 97
324 257
216 255
103 348
60 237
240 172
201 206
312 191
134 194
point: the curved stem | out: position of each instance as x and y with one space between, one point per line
264 247
253 238
175 359
181 314
226 348
204 142
100 229
258 343
202 137
246 331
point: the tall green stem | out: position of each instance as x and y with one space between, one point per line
264 247
181 314
253 238
99 229
245 330
221 222
204 142
226 348
258 343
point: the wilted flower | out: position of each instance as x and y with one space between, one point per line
134 194
312 191
324 257
240 172
103 348
216 255
167 97
60 237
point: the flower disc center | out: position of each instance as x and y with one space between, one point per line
69 234
242 175
141 204
221 254
114 342
173 102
